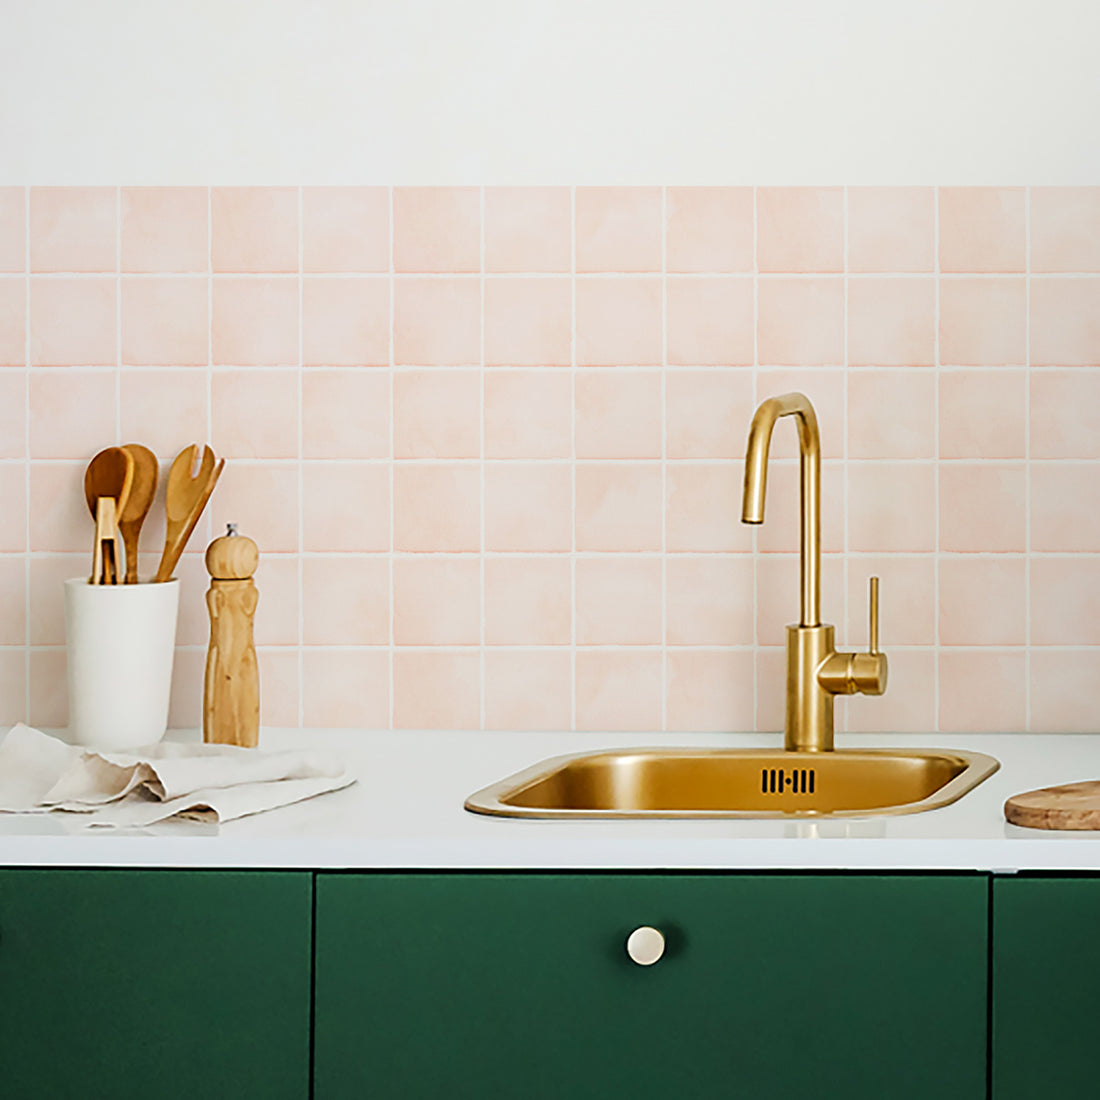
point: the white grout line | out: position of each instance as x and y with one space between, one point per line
481 459
27 450
936 472
301 466
573 458
390 467
664 458
1027 461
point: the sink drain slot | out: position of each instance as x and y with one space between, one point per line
782 781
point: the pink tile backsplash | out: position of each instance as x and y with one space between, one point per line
490 441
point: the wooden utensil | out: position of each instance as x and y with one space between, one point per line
1071 806
185 498
142 491
109 476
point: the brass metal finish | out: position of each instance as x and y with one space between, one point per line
699 783
816 672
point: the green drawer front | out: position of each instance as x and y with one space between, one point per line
486 985
1046 973
154 984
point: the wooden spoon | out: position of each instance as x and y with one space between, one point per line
142 491
185 498
109 475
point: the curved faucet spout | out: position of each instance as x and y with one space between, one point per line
756 474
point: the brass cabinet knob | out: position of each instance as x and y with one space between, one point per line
645 945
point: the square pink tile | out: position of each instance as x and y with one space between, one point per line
528 229
701 508
437 322
618 690
982 691
1064 413
528 414
780 533
437 414
707 413
983 322
618 228
13 322
13 497
528 322
46 593
345 229
891 507
982 507
255 322
345 600
72 323
891 322
618 600
907 600
254 414
345 688
48 705
983 601
277 613
436 690
983 413
908 705
72 413
73 229
279 678
13 600
891 229
13 229
618 413
710 691
982 229
528 507
710 321
1065 229
709 229
60 520
345 413
1063 513
345 507
891 414
164 229
345 322
618 506
437 229
193 623
436 508
800 229
771 688
1065 322
165 322
527 601
528 690
262 499
163 409
13 413
1065 601
254 229
800 322
1063 687
826 390
618 322
437 600
778 594
709 600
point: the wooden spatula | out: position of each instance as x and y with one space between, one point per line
110 475
185 498
142 491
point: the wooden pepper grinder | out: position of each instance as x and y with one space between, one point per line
231 704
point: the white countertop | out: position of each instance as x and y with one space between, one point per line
407 812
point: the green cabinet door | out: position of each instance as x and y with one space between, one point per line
158 984
771 987
1046 987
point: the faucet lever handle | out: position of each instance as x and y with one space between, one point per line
874 615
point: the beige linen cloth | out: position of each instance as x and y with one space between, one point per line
39 773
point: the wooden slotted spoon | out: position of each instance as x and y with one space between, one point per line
185 498
142 492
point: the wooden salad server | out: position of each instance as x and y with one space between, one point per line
185 498
142 492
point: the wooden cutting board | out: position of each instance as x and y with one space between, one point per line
1072 806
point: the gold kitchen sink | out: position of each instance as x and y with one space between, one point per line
687 783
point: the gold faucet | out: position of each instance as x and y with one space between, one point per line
816 672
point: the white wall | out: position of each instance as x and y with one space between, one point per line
576 91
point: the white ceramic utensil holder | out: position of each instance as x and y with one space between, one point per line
120 640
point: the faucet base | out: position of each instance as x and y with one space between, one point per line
809 724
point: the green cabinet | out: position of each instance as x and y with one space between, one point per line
1046 976
771 986
154 984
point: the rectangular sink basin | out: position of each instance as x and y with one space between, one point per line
690 783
